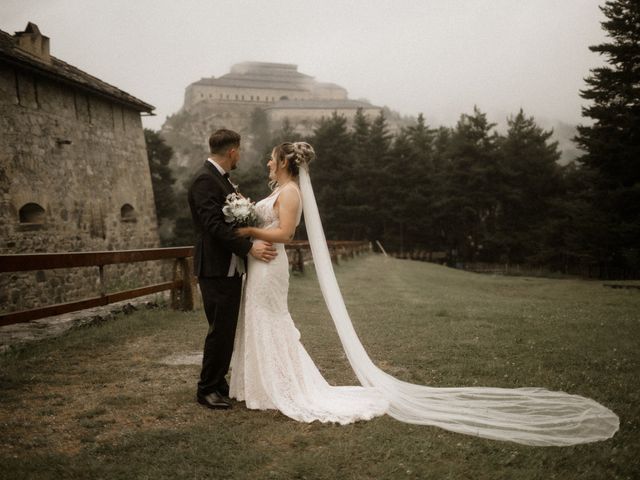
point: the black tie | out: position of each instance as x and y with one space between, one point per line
226 175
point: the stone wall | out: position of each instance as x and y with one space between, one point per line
74 176
195 94
259 97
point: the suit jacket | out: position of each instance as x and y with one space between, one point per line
215 239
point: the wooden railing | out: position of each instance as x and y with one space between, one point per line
299 251
181 285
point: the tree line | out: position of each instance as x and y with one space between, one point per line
469 191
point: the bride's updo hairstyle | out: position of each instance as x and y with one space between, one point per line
297 154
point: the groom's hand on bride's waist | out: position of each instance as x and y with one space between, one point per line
264 251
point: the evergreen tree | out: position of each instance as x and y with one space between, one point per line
530 182
357 208
466 198
376 186
260 133
159 155
419 186
333 148
612 142
399 192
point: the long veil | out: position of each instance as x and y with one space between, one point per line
531 416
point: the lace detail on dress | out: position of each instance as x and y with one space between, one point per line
270 368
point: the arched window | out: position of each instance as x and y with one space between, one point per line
127 213
31 213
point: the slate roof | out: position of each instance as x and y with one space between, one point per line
62 72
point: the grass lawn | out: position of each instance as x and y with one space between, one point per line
99 402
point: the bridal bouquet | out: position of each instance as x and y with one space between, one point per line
239 211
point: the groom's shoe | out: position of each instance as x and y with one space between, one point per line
214 400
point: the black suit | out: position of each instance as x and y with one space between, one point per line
212 257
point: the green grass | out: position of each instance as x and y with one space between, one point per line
98 403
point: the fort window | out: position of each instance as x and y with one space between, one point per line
242 97
236 97
258 98
251 97
127 213
227 97
284 97
32 213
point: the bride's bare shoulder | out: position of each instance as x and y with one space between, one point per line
289 195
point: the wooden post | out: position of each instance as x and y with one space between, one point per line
300 259
182 298
334 255
103 287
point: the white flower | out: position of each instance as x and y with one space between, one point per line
239 210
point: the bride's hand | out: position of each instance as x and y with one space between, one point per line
243 232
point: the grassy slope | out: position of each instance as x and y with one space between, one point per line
99 403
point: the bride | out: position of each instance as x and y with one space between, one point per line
272 370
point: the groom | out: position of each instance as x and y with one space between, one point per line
219 258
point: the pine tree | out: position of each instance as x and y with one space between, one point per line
377 188
466 196
420 180
159 155
332 145
530 182
612 142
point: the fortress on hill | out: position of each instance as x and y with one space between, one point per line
277 88
275 91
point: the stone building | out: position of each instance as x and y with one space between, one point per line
261 84
277 88
74 174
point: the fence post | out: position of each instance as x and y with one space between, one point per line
182 298
300 259
334 255
103 287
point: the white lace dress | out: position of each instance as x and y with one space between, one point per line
270 368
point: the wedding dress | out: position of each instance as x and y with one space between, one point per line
271 369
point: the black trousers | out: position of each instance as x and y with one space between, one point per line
221 299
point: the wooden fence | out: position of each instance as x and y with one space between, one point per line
181 286
299 251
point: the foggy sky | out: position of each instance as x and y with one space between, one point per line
438 57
